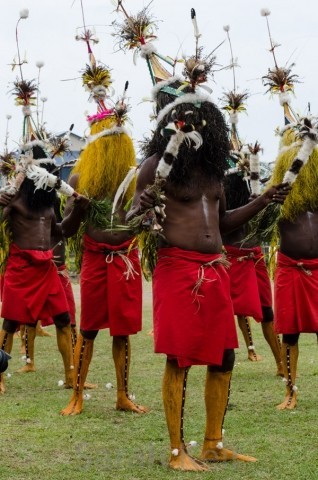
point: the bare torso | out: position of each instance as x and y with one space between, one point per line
192 221
30 230
300 238
195 211
110 237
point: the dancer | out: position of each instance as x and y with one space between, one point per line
296 275
179 209
31 286
28 333
110 277
250 284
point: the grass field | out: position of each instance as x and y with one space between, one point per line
36 442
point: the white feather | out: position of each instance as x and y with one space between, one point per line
284 97
234 118
108 131
147 50
122 189
196 138
265 12
43 179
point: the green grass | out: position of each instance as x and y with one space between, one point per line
36 442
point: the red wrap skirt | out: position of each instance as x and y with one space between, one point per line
296 295
111 288
31 286
193 313
67 286
250 283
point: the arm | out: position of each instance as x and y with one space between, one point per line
232 219
75 211
5 203
143 199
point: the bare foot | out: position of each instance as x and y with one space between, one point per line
90 386
185 462
68 385
75 407
224 455
126 405
289 403
253 357
41 332
28 367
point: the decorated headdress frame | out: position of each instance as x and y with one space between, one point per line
26 94
137 33
279 80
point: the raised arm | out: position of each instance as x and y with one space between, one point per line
232 219
75 211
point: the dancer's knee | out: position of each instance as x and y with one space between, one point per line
61 320
89 334
268 314
227 362
10 326
291 339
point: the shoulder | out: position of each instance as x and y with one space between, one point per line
73 180
147 169
150 162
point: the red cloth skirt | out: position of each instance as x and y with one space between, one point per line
296 295
193 313
250 283
31 286
110 297
67 286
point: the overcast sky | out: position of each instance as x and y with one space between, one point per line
49 35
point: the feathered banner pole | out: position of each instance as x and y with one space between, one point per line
137 33
280 80
23 15
234 101
180 130
197 68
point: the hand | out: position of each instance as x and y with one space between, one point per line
147 200
81 203
5 199
277 193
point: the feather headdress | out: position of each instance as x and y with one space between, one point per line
234 103
280 80
137 33
179 128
